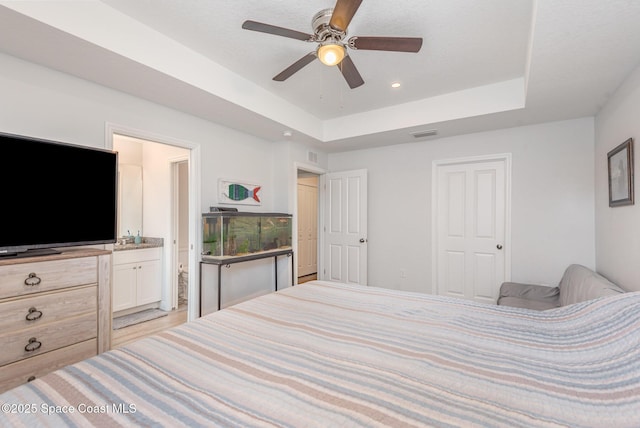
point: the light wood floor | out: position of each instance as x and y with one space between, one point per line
138 331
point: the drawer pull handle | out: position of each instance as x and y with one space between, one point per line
33 345
31 379
32 280
34 314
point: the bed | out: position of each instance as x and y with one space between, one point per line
330 354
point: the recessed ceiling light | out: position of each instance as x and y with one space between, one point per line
287 133
395 85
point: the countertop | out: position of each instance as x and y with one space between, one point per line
146 243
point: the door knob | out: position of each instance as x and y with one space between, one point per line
499 247
362 240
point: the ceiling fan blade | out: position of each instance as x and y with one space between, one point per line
350 72
397 44
295 67
343 13
278 31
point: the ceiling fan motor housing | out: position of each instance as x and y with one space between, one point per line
322 29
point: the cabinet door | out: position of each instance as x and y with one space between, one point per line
149 288
124 286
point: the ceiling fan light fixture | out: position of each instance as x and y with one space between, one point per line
330 33
331 53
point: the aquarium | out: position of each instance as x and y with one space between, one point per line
232 234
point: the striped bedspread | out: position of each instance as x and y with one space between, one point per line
323 354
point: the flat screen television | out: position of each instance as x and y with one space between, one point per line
54 195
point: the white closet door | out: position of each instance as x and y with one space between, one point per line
471 229
307 227
345 229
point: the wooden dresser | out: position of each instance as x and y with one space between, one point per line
55 310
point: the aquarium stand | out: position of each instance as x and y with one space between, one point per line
229 260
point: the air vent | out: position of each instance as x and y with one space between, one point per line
425 133
312 157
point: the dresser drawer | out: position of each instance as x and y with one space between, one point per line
36 340
20 372
45 308
20 279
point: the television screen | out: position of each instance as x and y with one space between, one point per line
56 195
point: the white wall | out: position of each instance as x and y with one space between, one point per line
618 229
40 102
129 150
553 166
156 188
552 200
287 158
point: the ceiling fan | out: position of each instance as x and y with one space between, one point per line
329 32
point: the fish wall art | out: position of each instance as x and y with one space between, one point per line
235 192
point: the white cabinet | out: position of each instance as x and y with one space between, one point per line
137 278
124 286
149 287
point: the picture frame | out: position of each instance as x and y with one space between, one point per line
236 192
620 172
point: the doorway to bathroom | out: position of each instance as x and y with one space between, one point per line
167 186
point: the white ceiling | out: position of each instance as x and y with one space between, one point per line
483 64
